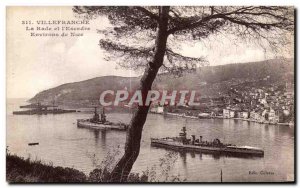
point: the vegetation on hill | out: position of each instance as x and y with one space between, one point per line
210 81
20 170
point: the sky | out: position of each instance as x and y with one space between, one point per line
35 64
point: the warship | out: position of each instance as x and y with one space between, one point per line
100 122
40 109
182 143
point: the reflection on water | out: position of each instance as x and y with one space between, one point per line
62 143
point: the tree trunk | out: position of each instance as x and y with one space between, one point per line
134 132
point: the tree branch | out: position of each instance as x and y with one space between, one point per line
282 22
147 13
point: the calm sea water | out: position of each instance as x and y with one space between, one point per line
61 143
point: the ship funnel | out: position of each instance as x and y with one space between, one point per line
193 139
200 139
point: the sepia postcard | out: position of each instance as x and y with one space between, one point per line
150 94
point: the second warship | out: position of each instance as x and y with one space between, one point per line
100 122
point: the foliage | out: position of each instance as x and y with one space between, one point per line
157 173
130 41
20 170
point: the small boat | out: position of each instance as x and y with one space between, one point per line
181 143
100 122
33 143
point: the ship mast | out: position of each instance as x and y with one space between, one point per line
183 135
103 116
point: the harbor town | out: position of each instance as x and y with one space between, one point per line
266 105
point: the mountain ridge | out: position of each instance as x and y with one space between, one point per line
210 80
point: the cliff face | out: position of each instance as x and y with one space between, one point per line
209 81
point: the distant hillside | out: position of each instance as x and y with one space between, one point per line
84 92
209 81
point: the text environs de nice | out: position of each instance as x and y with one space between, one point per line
181 97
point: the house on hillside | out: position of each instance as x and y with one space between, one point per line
157 109
160 109
244 115
232 114
273 118
228 113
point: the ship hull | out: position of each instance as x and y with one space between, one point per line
195 148
82 123
39 112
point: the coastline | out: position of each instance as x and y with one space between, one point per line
221 117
